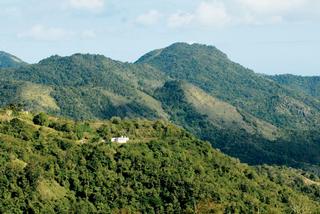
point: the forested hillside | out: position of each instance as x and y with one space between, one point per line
56 165
84 86
308 85
256 118
236 132
209 69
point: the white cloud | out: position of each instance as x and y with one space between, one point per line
93 5
150 18
208 14
180 19
264 12
219 13
212 13
43 33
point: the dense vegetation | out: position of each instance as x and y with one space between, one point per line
54 165
209 69
83 86
294 148
308 85
256 118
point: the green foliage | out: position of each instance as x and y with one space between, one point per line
163 169
41 119
308 85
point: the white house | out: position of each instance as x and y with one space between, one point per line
121 139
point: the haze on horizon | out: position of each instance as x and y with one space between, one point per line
268 36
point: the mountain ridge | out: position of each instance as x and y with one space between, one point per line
267 114
220 77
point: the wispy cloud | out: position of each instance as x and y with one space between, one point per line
272 6
219 13
10 12
44 33
149 18
212 13
272 11
52 34
207 13
180 19
92 5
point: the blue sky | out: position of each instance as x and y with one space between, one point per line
268 36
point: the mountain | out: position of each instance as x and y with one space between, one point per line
9 61
85 86
236 132
308 85
209 69
57 165
244 114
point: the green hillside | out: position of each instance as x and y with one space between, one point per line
9 61
56 165
85 86
236 132
209 69
244 114
308 85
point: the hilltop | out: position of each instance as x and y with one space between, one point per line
52 164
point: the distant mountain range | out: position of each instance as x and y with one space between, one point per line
257 118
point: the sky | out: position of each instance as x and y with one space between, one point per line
268 36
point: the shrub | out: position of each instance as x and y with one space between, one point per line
41 119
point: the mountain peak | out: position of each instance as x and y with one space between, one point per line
182 49
192 46
10 61
185 61
78 57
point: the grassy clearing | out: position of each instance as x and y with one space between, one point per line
39 96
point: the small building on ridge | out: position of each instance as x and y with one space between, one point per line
120 140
